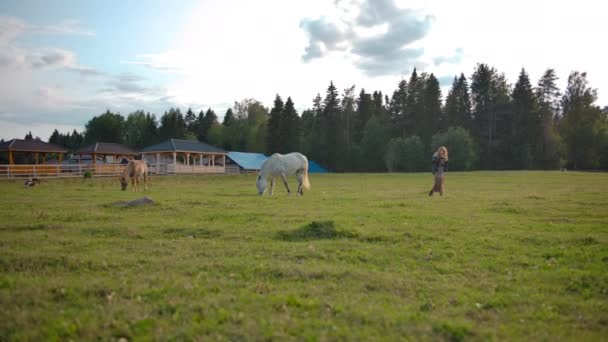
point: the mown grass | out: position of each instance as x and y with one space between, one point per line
503 255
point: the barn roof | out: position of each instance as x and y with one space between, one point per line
177 145
106 148
248 161
30 145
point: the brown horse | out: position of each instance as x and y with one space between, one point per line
133 171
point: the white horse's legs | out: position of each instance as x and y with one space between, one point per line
271 186
300 190
285 183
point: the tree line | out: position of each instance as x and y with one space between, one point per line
485 122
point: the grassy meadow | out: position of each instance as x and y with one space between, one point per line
501 256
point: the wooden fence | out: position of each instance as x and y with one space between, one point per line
78 170
59 171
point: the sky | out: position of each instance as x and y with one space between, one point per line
64 61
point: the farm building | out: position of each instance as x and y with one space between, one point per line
104 158
184 156
243 162
105 153
28 158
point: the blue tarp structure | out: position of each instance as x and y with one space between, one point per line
313 167
246 160
253 161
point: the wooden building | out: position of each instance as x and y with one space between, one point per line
105 157
184 156
36 149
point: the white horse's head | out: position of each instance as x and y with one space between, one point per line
261 184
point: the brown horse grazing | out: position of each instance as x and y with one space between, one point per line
133 171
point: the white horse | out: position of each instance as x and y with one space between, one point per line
279 165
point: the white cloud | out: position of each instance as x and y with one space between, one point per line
377 34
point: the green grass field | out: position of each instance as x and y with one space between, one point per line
502 256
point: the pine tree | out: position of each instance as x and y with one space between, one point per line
200 124
190 120
398 105
364 112
172 125
274 143
547 154
208 121
228 118
317 132
503 111
487 95
348 116
379 110
525 124
458 104
290 127
431 120
414 105
56 138
151 133
74 141
306 127
334 134
582 124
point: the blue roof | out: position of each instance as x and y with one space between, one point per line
248 161
254 161
313 167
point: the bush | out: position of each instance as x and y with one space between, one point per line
460 145
87 175
405 154
374 140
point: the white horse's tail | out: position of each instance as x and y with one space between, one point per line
305 182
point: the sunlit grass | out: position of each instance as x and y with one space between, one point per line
503 255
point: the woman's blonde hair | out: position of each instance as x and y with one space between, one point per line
442 152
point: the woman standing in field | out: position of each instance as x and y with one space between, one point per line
440 165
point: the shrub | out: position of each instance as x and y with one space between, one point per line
460 145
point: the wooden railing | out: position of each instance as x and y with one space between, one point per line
78 170
179 168
56 171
